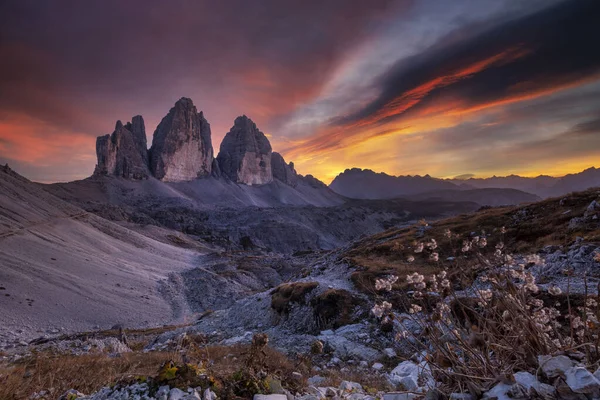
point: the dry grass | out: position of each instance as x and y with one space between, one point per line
86 373
529 228
89 373
284 295
334 308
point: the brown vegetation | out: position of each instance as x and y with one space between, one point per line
528 229
284 295
219 367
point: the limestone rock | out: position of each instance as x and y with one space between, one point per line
182 145
282 171
245 154
138 129
555 366
580 380
119 154
410 376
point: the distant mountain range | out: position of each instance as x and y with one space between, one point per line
367 184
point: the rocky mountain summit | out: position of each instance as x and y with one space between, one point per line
124 153
245 155
181 146
182 151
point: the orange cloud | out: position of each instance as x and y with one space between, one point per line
414 96
40 144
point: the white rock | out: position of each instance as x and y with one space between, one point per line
461 396
209 395
407 374
347 386
315 380
163 393
270 397
526 379
498 392
389 352
555 366
176 394
580 380
377 366
400 396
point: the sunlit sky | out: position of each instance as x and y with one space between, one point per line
483 87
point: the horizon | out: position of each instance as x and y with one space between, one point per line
410 88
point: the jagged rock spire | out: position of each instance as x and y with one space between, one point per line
120 154
181 145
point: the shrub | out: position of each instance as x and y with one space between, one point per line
284 295
486 317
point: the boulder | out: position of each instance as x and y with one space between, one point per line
245 154
119 153
580 380
555 366
410 376
182 145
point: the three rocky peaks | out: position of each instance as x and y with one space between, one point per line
182 151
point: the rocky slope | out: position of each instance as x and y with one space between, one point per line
65 269
273 217
486 197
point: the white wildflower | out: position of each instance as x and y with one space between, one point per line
414 309
554 290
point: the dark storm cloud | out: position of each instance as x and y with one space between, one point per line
63 57
591 127
533 54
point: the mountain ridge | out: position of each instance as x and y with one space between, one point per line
365 183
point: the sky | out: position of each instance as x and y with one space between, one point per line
446 88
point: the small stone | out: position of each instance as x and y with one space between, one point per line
461 396
176 394
389 352
347 386
377 366
209 395
580 380
316 380
163 393
270 397
555 366
406 374
498 392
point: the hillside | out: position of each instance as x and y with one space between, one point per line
486 197
63 268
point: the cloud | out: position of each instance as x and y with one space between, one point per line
514 62
78 67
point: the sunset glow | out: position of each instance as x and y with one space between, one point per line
399 86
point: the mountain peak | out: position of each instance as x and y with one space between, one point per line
182 145
245 154
123 153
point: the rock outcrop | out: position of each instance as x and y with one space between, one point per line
245 154
282 171
138 129
122 153
182 146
